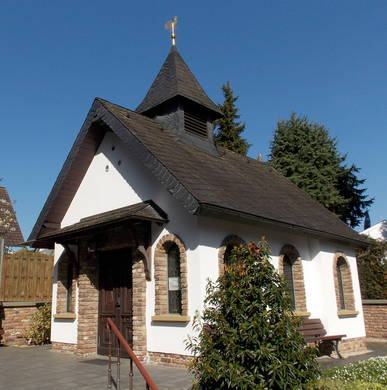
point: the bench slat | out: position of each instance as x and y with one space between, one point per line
311 339
307 327
314 332
334 337
308 321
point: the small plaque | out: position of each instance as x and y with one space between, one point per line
174 283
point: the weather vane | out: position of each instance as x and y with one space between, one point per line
171 27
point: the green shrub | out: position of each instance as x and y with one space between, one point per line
246 336
373 271
368 374
39 329
339 384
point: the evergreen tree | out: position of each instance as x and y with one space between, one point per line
305 153
247 337
358 203
228 133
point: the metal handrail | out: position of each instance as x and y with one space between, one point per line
133 358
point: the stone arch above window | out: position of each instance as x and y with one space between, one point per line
162 285
290 260
345 299
225 248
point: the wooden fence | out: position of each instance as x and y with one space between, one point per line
27 277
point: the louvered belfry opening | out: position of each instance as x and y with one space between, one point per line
195 122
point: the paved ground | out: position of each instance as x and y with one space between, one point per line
40 368
375 348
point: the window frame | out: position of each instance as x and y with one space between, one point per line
69 288
160 264
226 246
289 277
174 279
343 284
300 301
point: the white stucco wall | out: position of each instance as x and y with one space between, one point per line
62 330
117 178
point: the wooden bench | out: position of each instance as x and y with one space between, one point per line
313 331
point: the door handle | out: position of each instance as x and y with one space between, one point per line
118 304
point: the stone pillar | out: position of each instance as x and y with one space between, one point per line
139 307
87 301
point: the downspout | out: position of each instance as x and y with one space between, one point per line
366 253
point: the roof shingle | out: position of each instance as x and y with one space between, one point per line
223 185
15 237
176 79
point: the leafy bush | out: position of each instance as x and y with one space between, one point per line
369 374
339 384
246 335
373 271
39 329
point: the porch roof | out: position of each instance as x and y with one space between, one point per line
144 211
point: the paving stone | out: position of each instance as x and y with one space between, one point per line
31 368
41 368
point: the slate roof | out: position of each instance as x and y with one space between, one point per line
11 238
229 186
176 79
224 186
238 184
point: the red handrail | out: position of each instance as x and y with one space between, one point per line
140 367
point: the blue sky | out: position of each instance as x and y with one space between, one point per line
323 59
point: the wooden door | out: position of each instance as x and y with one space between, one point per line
115 298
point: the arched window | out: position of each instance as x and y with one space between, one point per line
289 279
340 270
290 266
345 298
66 286
226 259
225 249
174 280
69 297
170 273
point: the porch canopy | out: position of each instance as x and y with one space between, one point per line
129 215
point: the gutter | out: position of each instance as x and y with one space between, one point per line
236 216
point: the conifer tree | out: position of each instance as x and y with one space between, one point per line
228 133
304 152
246 335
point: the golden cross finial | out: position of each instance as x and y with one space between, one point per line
171 27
